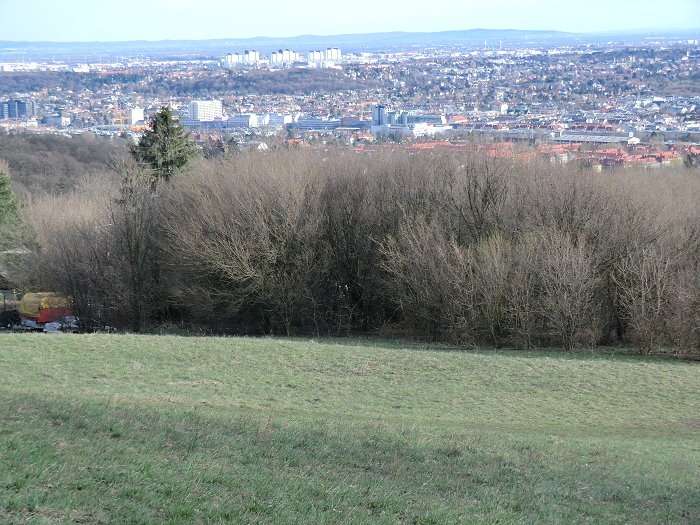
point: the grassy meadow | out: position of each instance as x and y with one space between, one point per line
148 429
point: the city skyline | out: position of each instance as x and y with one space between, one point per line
128 20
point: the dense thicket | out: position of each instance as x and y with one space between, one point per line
50 163
454 247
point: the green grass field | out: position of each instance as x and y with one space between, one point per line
128 429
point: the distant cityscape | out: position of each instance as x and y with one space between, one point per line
331 57
642 100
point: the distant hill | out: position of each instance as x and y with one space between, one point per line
394 41
350 42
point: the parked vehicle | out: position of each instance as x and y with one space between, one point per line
47 311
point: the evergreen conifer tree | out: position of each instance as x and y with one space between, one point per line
165 147
8 209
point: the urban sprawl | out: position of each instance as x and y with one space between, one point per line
604 105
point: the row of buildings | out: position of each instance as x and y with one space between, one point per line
283 58
209 115
17 109
598 159
247 58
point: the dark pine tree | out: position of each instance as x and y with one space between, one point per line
165 147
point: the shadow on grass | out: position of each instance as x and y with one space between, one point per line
67 460
625 353
619 353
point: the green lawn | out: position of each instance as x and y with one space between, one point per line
129 429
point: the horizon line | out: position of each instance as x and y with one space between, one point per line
629 32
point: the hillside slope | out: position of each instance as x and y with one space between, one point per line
129 429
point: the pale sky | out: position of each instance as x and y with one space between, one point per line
108 20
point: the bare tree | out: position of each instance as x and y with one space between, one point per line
568 292
523 291
432 279
492 261
643 280
135 252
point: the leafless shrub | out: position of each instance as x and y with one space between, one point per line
523 292
134 255
643 280
257 236
479 191
72 239
98 245
568 291
684 311
432 279
492 270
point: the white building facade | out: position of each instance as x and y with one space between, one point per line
206 110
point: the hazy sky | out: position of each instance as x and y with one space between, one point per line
92 20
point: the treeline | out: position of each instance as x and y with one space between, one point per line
23 82
208 84
451 247
286 82
50 163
